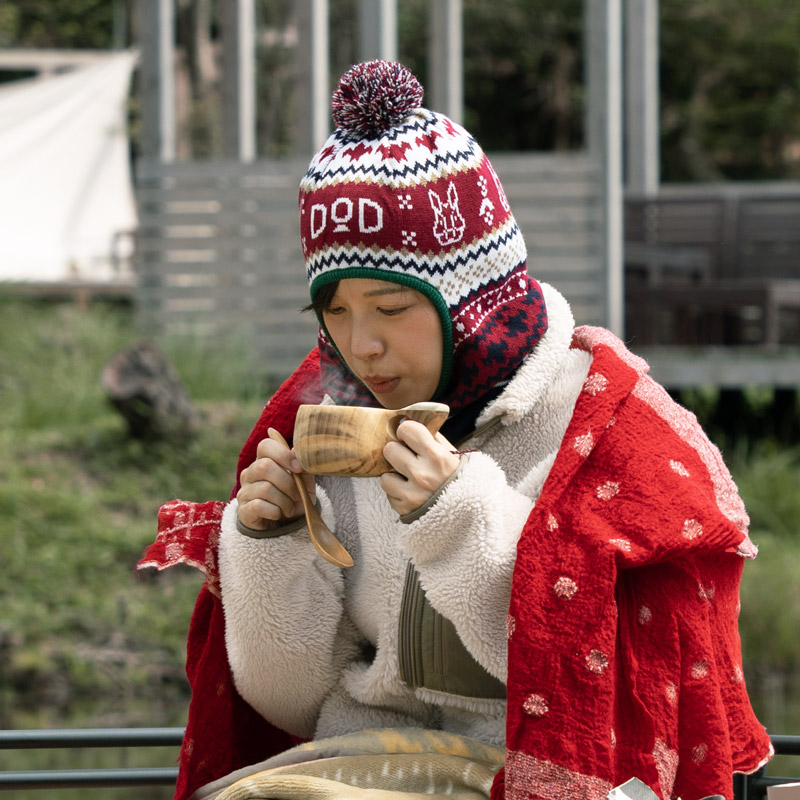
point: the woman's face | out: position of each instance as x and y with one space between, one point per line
391 338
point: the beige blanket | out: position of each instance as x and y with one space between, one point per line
395 764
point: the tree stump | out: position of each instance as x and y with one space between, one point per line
147 390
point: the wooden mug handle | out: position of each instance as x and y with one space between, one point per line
431 415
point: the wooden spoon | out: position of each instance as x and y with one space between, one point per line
322 537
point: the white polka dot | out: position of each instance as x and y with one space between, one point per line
595 384
622 544
535 705
699 753
583 444
737 676
565 587
699 669
677 466
706 592
552 523
692 529
607 490
645 615
511 625
671 691
597 662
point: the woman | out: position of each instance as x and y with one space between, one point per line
566 588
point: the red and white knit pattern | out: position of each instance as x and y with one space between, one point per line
428 205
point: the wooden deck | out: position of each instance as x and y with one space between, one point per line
722 367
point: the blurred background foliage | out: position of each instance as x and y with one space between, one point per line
83 638
730 73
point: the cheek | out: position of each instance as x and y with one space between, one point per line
424 343
337 332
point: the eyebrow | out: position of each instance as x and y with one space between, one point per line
386 290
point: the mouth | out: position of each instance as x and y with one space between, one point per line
378 384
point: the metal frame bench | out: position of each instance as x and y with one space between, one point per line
754 787
89 738
715 265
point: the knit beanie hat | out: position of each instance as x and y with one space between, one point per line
403 194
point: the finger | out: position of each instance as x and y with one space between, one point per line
445 443
426 445
393 487
259 514
269 501
415 435
401 458
403 495
269 448
423 460
265 470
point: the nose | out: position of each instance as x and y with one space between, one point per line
365 341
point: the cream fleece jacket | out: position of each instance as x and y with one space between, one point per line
314 649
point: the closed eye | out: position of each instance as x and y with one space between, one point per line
393 311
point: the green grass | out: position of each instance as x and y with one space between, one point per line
78 503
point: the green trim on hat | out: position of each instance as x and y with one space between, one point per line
405 280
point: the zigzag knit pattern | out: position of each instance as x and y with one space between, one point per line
409 196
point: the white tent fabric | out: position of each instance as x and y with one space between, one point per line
66 194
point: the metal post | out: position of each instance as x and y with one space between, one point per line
377 24
119 25
157 79
320 74
445 58
312 92
642 107
237 20
604 139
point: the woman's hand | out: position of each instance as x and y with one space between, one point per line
422 463
268 496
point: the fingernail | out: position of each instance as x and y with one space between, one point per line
295 465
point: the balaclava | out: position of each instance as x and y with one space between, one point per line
403 194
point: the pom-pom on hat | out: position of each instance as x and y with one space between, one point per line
403 194
373 97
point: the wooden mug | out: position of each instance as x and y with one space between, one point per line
349 440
